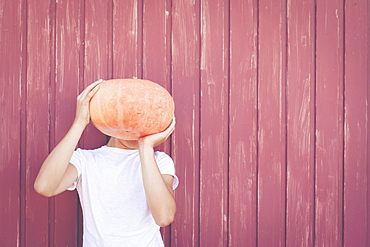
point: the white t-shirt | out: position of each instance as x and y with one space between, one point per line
111 191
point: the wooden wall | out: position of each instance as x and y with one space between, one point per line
272 107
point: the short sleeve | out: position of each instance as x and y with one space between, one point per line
76 161
166 166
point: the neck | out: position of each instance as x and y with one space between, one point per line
124 144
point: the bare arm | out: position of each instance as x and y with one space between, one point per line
56 173
158 187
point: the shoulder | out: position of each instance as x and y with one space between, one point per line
164 161
162 156
166 166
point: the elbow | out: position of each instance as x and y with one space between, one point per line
42 190
166 218
165 221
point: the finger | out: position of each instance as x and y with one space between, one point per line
170 132
92 86
92 92
171 128
173 123
88 89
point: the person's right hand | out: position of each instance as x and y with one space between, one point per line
158 138
83 101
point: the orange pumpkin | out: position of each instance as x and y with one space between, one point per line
131 108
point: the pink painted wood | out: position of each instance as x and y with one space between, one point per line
300 123
11 34
68 47
37 119
272 108
185 146
271 123
356 124
213 204
329 124
96 57
243 124
127 39
156 57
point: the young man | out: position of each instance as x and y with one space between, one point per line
125 188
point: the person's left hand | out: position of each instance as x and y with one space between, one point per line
83 102
158 138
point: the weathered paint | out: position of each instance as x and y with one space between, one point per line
271 123
300 123
96 56
243 124
36 117
272 106
10 101
127 39
185 146
356 124
156 55
329 124
68 47
213 124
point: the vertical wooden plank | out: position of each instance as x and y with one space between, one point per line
300 123
185 148
37 118
214 123
271 123
127 39
368 127
157 42
243 124
66 89
329 123
96 63
368 131
10 101
157 56
52 103
356 123
23 123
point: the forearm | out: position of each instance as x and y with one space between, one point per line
160 198
55 165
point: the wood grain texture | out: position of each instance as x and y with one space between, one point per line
272 105
329 124
243 124
37 118
68 48
368 130
156 55
10 113
127 39
185 145
214 123
271 123
356 117
96 57
300 123
157 44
